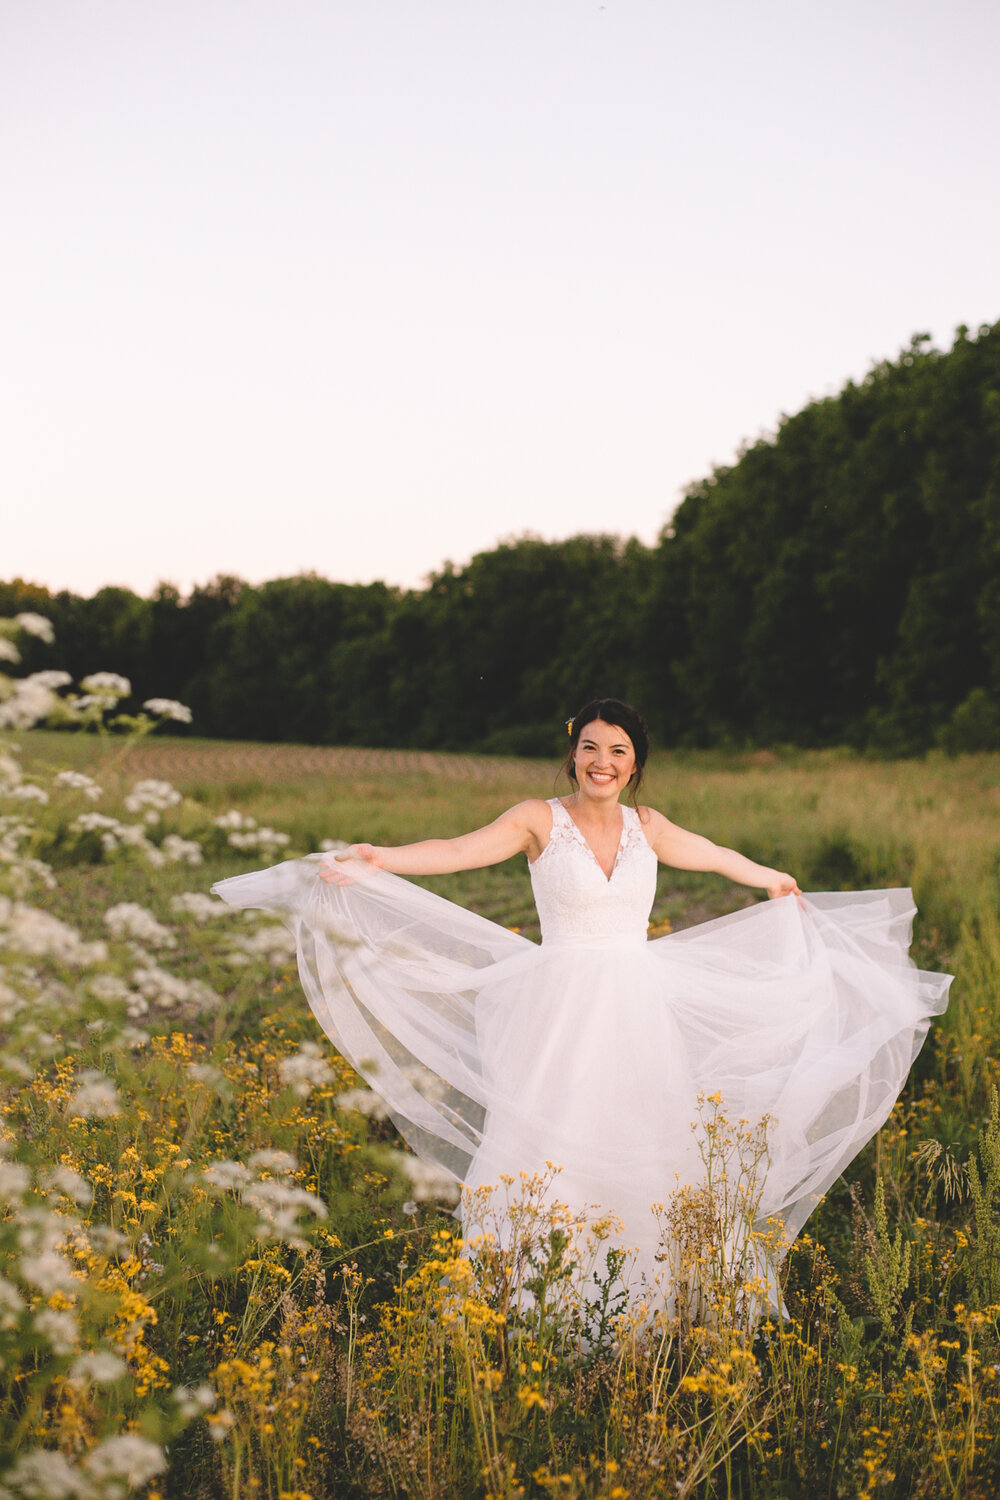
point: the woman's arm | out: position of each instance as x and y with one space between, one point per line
521 829
690 851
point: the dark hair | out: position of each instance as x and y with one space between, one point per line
624 716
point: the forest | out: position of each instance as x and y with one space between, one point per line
837 585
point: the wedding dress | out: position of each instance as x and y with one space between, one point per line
496 1055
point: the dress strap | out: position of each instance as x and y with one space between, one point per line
560 817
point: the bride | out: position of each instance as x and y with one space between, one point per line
592 1050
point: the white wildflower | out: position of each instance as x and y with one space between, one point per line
107 1241
49 1271
95 1099
206 1073
8 651
178 851
12 1305
59 1327
15 1180
280 1205
220 1425
43 1474
305 1070
200 906
271 942
76 781
51 678
233 819
108 685
165 989
36 625
124 1462
100 1367
27 791
158 795
30 702
410 1208
36 932
271 1160
10 771
428 1181
227 1176
365 1102
68 1181
130 920
194 1403
265 839
109 987
333 846
168 708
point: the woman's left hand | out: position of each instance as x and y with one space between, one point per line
781 885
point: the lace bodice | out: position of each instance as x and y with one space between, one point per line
574 897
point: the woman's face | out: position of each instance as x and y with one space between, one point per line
604 760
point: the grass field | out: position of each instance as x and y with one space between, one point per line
302 1324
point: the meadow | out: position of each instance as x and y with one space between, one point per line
222 1275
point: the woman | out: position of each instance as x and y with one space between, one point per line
591 1051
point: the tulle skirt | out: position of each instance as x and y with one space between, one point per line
606 1057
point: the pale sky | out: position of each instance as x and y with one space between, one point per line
359 287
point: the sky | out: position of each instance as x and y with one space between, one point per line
358 288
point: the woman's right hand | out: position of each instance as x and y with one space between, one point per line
351 864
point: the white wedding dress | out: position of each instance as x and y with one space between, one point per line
496 1055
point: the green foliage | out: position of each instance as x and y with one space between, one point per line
839 584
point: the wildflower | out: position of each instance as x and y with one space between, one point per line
305 1070
428 1182
259 838
273 1161
76 781
36 625
109 987
59 1327
128 919
365 1102
108 685
194 1403
12 1305
30 702
227 1175
8 651
271 942
168 708
165 989
278 1204
27 791
126 1461
96 1098
41 935
200 906
51 678
179 851
158 795
67 1180
15 1180
48 1271
43 1474
99 1366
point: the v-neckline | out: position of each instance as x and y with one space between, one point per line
589 847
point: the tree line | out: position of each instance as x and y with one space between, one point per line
838 584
